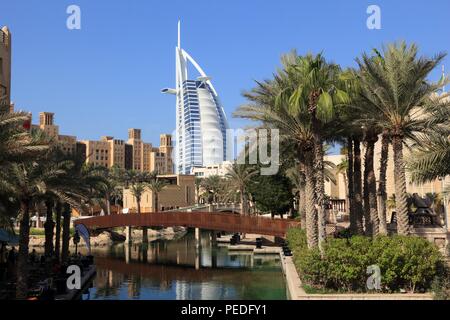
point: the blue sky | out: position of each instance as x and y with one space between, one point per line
124 53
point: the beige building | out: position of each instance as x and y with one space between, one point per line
148 158
5 64
97 152
68 144
109 152
179 193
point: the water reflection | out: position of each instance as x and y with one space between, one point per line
176 269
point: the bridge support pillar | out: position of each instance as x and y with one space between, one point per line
197 238
127 252
145 235
213 238
197 258
128 238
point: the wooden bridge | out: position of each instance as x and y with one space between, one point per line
214 221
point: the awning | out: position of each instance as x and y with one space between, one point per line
8 237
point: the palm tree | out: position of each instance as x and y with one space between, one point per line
399 91
137 183
382 194
29 183
156 186
317 93
270 105
239 176
80 185
371 219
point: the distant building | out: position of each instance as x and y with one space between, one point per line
179 193
68 144
108 152
5 64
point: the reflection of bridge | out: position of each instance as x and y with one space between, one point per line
176 272
201 220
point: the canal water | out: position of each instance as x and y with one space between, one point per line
176 270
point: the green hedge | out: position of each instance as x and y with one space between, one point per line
408 263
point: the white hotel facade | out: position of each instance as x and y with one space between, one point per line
201 123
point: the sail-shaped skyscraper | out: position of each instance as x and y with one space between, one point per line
201 123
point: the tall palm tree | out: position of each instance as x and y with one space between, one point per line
371 219
382 194
399 91
317 93
269 104
239 177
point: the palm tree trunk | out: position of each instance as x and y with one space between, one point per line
351 189
302 193
382 195
302 206
108 206
400 187
319 185
138 204
370 184
58 230
241 194
22 262
357 185
65 233
49 226
311 215
366 209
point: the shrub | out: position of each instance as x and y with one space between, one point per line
37 232
408 263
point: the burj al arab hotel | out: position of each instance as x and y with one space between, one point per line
201 129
